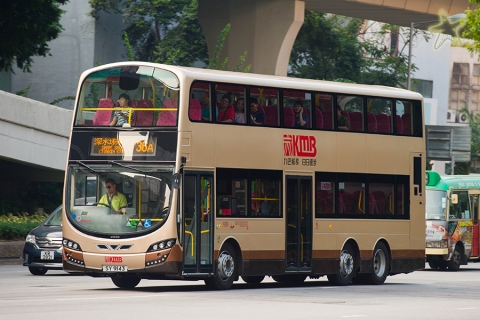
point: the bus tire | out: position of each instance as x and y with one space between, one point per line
125 281
253 279
454 263
380 265
434 264
346 270
226 269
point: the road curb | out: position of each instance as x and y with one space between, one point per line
11 252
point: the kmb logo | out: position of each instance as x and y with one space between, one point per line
113 259
301 146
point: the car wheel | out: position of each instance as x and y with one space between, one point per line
125 281
37 271
253 279
226 270
347 268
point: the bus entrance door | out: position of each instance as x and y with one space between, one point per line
198 223
299 223
474 200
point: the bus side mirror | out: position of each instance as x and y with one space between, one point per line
454 198
176 181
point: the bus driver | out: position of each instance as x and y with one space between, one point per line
116 200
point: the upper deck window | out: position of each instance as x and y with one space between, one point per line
129 96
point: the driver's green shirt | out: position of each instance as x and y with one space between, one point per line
117 201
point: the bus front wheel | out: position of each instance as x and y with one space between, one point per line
226 269
125 281
347 268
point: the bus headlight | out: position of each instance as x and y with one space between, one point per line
71 244
164 244
437 244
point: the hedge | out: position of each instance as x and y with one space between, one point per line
17 226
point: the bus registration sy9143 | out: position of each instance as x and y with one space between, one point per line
194 174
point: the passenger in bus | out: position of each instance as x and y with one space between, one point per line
225 110
343 123
114 199
240 111
120 117
301 119
257 117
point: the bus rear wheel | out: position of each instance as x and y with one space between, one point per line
346 271
253 279
125 281
380 265
226 269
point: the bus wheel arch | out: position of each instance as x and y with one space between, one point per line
348 264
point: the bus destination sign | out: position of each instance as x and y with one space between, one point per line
104 146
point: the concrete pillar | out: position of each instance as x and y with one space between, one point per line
266 29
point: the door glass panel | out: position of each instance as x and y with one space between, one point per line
198 222
299 223
206 221
190 221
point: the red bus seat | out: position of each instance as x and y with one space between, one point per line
144 118
318 118
288 117
103 117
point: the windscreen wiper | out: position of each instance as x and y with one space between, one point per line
83 164
125 166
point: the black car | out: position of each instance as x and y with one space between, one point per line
43 246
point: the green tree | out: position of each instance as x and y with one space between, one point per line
474 123
164 31
471 28
332 47
26 27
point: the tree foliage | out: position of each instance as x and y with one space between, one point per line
26 27
332 47
474 123
472 27
165 31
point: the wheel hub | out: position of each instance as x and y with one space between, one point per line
346 264
379 263
226 265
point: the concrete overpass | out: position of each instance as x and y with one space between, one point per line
33 142
267 28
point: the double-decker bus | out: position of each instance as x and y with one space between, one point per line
452 220
221 175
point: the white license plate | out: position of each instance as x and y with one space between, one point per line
47 255
115 268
